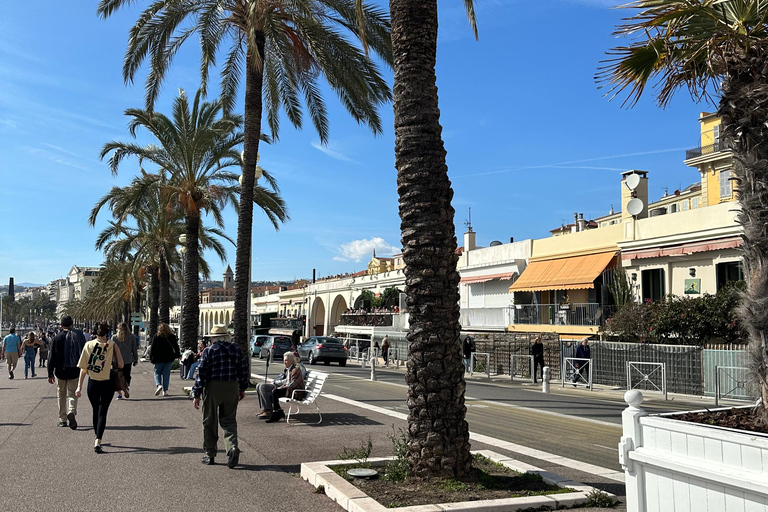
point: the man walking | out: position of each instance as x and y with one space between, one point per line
582 367
537 351
11 350
63 356
222 378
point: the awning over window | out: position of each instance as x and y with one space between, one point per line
577 272
285 332
489 277
682 249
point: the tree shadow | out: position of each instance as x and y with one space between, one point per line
170 450
14 424
309 419
145 427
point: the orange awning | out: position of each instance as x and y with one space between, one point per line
577 272
490 277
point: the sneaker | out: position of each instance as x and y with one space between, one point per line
11 375
233 457
208 461
62 423
34 375
98 449
158 390
276 416
72 421
165 393
119 396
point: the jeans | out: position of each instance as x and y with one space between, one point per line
192 368
467 362
163 374
29 361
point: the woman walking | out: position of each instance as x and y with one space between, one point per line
30 352
96 363
126 342
165 349
43 354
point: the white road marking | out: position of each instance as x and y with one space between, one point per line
609 474
342 387
614 449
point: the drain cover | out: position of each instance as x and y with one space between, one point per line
362 472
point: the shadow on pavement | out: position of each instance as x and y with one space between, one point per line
170 450
330 419
145 427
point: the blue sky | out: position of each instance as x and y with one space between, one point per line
530 138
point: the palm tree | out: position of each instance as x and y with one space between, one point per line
196 147
701 44
438 433
283 48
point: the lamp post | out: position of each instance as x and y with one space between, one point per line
183 253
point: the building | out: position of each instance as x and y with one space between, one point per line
224 294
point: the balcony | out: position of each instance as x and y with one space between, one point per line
706 150
561 314
486 318
368 319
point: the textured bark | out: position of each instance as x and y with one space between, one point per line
744 110
137 306
438 434
252 132
190 315
164 302
154 288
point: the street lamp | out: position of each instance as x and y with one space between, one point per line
183 253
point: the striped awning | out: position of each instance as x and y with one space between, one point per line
490 277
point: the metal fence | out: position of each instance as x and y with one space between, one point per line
737 361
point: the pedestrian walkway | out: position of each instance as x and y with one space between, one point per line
153 448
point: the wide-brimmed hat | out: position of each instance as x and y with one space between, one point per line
217 330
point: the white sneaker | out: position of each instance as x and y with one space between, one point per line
165 393
158 390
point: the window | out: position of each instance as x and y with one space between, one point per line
684 205
695 202
726 187
729 272
716 136
653 284
673 208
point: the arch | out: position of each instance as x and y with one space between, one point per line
338 307
228 319
317 319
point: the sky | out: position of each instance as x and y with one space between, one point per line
530 138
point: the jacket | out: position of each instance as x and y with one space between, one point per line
64 354
164 349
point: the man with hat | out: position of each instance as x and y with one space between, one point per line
222 378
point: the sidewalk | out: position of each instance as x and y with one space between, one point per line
153 448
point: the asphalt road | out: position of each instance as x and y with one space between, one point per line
576 423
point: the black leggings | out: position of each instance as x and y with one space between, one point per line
100 393
127 374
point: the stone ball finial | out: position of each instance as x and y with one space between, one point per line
633 397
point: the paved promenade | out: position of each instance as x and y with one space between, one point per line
153 450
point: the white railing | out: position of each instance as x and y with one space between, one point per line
486 317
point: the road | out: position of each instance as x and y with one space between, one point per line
578 424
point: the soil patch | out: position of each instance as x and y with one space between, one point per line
742 419
487 481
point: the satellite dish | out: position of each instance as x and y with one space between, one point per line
632 181
635 206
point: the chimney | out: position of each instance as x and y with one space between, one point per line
469 240
581 222
511 239
313 275
640 192
575 227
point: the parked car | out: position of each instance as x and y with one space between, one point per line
277 346
325 349
256 342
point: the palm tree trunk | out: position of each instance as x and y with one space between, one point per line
191 312
137 305
154 287
252 131
744 109
164 302
438 434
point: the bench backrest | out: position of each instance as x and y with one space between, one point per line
314 384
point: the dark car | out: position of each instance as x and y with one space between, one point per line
256 342
325 349
277 346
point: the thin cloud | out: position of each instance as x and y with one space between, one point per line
561 164
332 153
54 157
356 250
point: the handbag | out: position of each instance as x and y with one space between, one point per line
118 379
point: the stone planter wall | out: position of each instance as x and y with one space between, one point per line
690 467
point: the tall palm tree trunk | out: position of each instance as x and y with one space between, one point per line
438 434
252 131
164 300
137 309
154 296
191 312
744 109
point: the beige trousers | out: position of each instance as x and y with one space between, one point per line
65 391
12 358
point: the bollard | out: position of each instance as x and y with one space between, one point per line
373 367
545 380
362 359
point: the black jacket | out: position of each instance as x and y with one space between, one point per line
164 349
537 351
62 362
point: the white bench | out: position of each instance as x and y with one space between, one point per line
313 385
